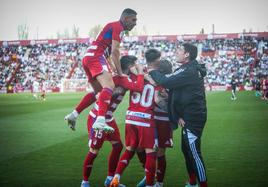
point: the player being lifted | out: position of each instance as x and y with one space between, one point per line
140 129
97 137
98 69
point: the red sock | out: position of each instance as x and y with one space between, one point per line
104 100
142 157
88 163
203 184
161 168
86 102
124 161
192 179
114 157
150 167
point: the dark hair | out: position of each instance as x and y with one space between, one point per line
191 49
165 66
151 55
128 12
126 61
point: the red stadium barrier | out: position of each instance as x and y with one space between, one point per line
141 38
36 42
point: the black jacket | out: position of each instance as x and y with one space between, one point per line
187 97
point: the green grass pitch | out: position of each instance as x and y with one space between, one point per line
38 149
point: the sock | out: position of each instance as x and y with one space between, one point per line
142 157
86 102
150 167
203 184
124 161
114 157
118 176
158 184
192 179
88 163
104 101
161 168
84 182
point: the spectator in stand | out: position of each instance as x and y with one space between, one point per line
246 56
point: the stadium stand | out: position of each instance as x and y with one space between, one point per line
242 55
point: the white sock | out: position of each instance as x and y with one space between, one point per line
110 177
84 182
118 176
159 184
75 113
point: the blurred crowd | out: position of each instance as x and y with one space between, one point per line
50 63
245 58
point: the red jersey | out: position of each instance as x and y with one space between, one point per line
102 45
141 106
126 84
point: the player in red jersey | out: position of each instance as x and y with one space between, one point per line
140 128
164 131
97 137
98 70
264 86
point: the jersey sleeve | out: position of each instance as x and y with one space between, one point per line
174 80
117 32
127 83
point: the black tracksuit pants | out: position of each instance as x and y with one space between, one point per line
191 148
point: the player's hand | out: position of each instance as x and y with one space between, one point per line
71 121
149 78
181 122
122 75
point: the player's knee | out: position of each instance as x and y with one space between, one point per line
129 148
161 152
94 151
118 146
106 80
110 85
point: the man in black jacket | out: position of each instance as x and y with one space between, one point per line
187 108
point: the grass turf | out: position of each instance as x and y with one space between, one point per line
38 149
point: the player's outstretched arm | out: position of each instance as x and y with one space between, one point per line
115 56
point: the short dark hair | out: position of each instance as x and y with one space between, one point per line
126 61
128 12
151 55
191 49
165 66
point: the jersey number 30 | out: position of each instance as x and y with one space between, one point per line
145 98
